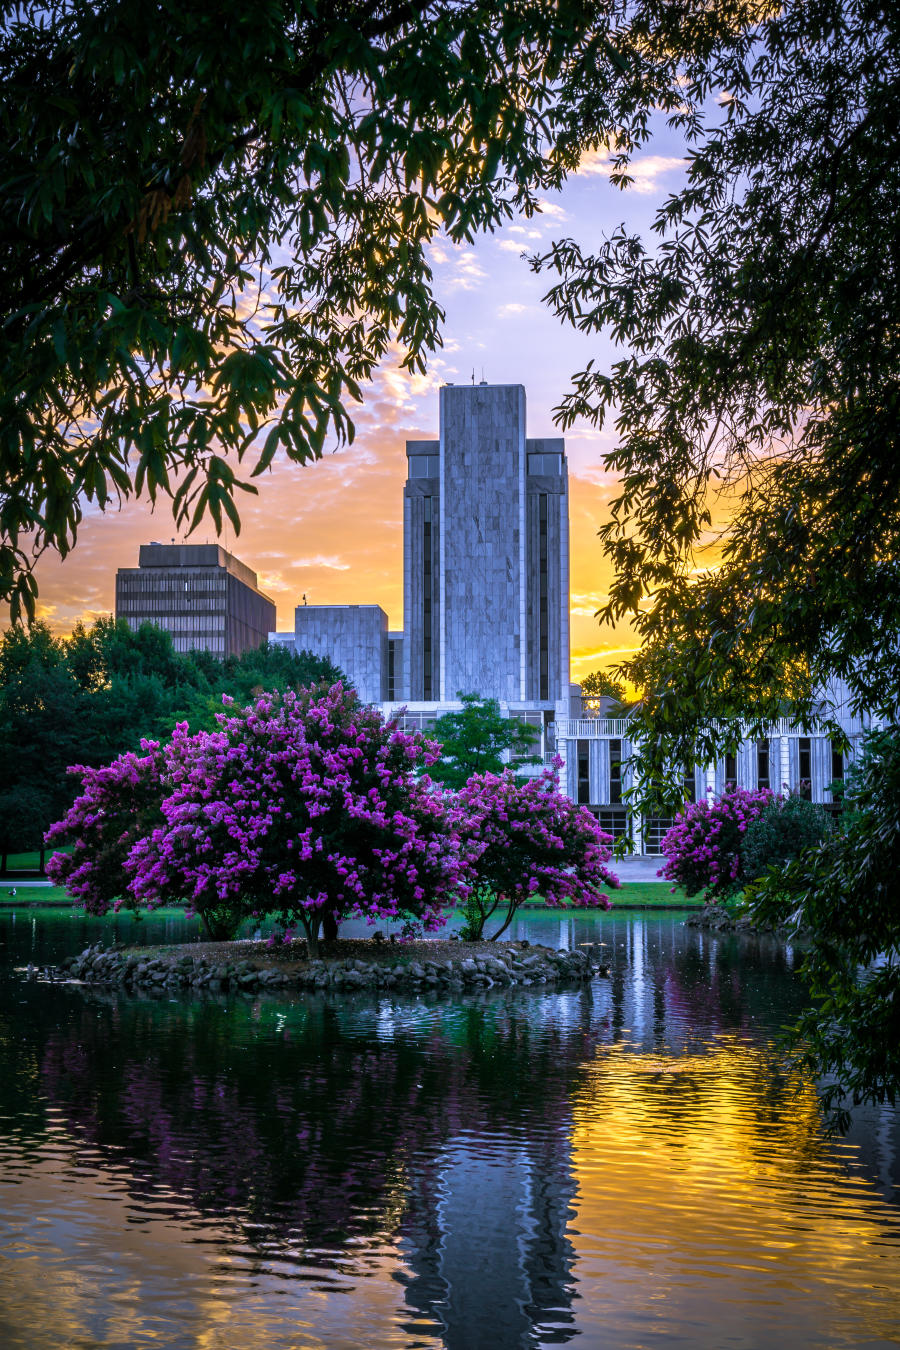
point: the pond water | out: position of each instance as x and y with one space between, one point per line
619 1165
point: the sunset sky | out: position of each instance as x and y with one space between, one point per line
333 530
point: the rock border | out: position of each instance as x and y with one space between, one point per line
718 919
513 964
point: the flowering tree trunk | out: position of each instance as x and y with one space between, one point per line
311 919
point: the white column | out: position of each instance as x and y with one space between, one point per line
784 764
637 820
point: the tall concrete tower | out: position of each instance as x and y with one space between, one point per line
486 571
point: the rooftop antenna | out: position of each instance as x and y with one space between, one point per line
473 374
304 597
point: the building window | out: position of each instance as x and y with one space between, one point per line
730 771
837 765
424 466
804 748
615 772
391 683
655 828
543 601
762 764
544 464
689 781
614 823
427 590
584 777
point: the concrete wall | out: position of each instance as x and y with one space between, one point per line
482 541
421 585
547 558
355 637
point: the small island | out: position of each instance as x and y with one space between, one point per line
347 965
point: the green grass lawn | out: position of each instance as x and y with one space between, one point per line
31 895
24 862
30 862
651 894
647 894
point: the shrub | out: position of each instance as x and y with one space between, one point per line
787 827
703 848
844 895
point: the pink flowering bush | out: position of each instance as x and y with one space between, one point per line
527 839
119 804
304 806
703 848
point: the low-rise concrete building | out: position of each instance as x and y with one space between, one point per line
205 597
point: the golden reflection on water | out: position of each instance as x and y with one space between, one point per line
701 1177
90 1266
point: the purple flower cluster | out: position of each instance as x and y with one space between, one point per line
527 839
308 805
118 805
703 847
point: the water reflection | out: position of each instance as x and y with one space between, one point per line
620 1163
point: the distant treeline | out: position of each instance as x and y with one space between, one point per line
87 698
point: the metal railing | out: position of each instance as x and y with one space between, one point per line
597 728
583 728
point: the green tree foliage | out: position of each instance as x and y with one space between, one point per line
40 735
475 740
844 895
601 685
761 362
216 218
86 699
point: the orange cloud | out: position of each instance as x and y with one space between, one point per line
333 530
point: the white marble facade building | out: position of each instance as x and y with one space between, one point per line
486 611
485 574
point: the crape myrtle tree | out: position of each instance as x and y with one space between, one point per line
301 806
524 839
704 846
217 219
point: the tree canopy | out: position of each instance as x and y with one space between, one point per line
475 740
85 699
216 219
528 839
599 685
842 895
760 376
